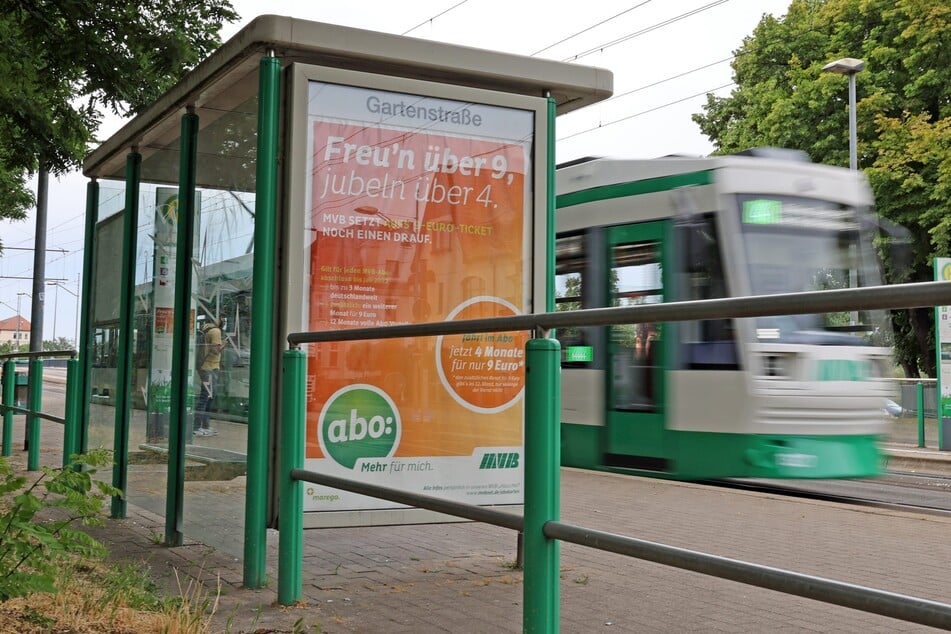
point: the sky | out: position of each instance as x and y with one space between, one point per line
665 55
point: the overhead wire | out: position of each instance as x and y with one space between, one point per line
438 15
593 26
653 27
649 110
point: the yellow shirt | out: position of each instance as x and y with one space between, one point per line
212 350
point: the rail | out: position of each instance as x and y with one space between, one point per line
540 524
33 411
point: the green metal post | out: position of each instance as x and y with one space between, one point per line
262 324
73 405
9 398
130 223
542 484
83 345
35 406
180 426
920 401
291 540
550 210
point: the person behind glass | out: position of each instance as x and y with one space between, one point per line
209 364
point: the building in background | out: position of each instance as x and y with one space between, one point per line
13 332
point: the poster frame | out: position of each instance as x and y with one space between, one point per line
293 269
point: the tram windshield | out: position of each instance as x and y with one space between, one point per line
801 244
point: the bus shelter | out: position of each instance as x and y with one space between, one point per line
195 211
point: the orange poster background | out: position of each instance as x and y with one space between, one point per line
397 238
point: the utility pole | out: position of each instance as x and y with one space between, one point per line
39 280
39 260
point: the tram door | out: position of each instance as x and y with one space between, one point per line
635 385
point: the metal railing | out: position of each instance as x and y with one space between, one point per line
33 410
540 524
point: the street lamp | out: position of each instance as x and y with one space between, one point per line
59 285
849 66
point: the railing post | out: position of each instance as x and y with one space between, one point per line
9 399
542 484
920 400
290 556
33 420
72 423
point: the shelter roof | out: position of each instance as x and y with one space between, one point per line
227 81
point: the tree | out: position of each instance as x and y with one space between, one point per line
783 99
60 343
62 63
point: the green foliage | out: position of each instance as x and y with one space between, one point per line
33 547
784 99
61 63
60 343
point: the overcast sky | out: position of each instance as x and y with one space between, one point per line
665 56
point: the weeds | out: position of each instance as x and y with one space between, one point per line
32 548
52 574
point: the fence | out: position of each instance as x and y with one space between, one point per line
908 397
539 524
9 405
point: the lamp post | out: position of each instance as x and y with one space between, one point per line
849 66
59 284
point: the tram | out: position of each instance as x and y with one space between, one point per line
798 396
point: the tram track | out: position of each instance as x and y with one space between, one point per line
882 493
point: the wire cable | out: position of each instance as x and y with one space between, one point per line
653 27
593 26
458 4
643 112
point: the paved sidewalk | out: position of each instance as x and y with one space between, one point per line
461 577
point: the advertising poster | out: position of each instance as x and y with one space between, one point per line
418 210
943 336
163 312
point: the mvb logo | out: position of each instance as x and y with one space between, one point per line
358 421
505 460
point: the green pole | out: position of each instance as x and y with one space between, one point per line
9 398
939 400
180 426
291 539
262 324
35 406
120 468
83 346
73 405
542 483
550 209
920 404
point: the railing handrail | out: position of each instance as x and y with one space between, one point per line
543 602
904 607
870 298
39 354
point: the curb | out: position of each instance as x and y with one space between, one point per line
919 460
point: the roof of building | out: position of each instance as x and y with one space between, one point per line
10 323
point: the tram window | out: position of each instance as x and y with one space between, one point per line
569 275
635 278
708 344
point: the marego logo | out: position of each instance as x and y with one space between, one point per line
358 421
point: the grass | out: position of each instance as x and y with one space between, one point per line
94 597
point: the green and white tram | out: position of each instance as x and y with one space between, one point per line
796 396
